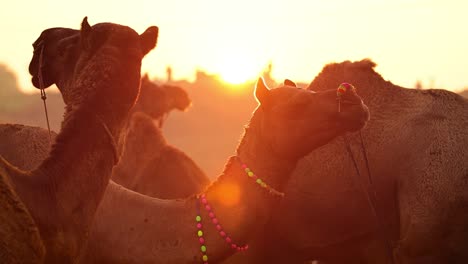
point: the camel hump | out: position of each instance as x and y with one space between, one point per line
25 246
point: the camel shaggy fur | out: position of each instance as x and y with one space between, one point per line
143 229
63 192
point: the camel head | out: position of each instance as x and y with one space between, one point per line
157 100
178 97
62 53
59 47
294 121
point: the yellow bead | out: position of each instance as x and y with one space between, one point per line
205 258
250 174
200 233
259 181
198 218
247 170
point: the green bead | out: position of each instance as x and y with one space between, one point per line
264 185
200 233
203 249
205 258
198 218
250 174
259 181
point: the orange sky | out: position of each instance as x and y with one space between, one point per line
409 39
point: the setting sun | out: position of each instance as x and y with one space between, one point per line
237 68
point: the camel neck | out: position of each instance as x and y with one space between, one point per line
238 205
75 175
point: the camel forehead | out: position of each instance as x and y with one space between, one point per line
51 35
285 92
109 29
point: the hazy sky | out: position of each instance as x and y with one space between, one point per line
409 39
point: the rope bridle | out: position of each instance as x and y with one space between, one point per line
370 193
43 93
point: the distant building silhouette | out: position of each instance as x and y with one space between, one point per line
418 85
169 74
267 75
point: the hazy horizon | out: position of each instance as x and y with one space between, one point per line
409 40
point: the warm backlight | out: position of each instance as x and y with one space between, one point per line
228 194
237 68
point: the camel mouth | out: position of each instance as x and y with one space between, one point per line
46 82
354 115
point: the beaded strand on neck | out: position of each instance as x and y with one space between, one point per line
201 240
202 200
218 226
260 182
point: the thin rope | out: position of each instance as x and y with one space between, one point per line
43 94
370 201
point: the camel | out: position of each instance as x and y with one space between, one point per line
416 143
64 191
158 100
148 164
151 166
146 158
133 228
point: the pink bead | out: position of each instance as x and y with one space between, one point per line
211 215
218 227
244 166
215 221
239 248
199 225
204 201
208 208
205 262
201 240
203 196
246 247
222 233
233 246
228 240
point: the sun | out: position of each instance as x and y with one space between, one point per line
237 68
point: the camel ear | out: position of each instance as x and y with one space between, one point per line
148 39
85 34
289 83
261 91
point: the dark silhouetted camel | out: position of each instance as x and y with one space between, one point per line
64 191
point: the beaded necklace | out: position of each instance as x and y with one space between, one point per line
202 201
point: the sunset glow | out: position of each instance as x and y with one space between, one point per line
236 69
237 39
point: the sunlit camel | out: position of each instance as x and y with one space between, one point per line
133 228
63 193
417 145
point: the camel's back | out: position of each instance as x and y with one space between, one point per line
24 146
20 241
